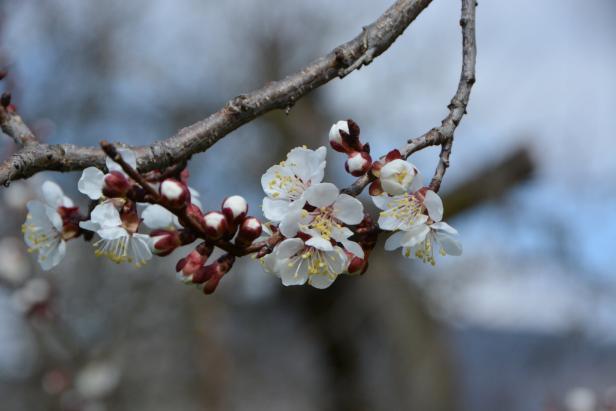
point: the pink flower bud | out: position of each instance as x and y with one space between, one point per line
375 188
234 209
249 230
216 271
358 163
357 265
116 184
335 136
193 262
164 242
174 192
215 225
195 213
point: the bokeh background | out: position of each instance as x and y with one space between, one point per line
525 320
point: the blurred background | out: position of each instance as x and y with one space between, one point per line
525 320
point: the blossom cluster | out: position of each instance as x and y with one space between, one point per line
314 231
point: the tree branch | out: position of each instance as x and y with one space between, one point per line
13 126
443 135
459 102
374 40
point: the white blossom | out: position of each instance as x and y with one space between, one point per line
296 263
423 236
116 242
397 177
92 179
403 211
285 183
43 226
327 221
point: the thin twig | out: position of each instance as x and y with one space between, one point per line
459 102
180 212
13 126
443 134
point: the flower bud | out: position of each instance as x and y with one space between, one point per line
358 163
234 209
174 192
335 135
397 176
116 184
216 271
215 225
375 188
250 229
195 213
190 265
164 242
357 265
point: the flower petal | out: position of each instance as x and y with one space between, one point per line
320 243
382 201
54 218
434 204
106 215
156 216
293 272
392 187
415 235
112 233
289 226
53 257
321 281
288 248
321 195
353 248
417 181
54 196
447 236
308 165
270 263
394 241
348 209
91 183
275 210
388 223
140 248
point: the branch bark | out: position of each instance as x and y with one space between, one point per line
282 94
